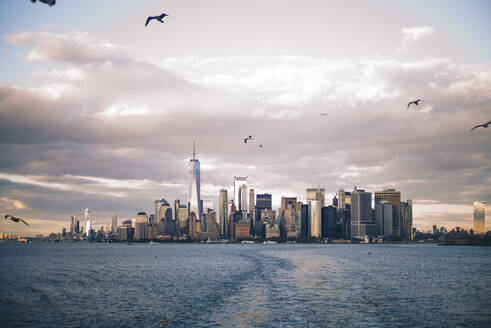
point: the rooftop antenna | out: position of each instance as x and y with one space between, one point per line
194 150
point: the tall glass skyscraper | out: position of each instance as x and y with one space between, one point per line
194 190
479 217
87 221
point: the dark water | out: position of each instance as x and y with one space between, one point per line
117 285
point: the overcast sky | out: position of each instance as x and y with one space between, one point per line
98 111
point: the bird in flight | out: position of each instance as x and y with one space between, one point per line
248 138
14 219
260 146
485 125
51 3
160 18
416 102
323 114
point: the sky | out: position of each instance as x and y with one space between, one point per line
98 111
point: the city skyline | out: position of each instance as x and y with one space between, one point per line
103 117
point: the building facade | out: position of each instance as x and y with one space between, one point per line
393 197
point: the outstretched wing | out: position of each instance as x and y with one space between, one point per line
149 19
162 15
27 224
477 126
409 104
245 140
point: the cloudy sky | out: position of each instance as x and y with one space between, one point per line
98 111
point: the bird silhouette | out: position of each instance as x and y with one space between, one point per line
260 146
160 18
14 219
416 102
51 3
248 138
323 114
485 125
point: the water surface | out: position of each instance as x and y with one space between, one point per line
284 285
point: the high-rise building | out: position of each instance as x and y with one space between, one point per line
251 201
194 188
140 225
328 222
315 217
383 218
479 217
242 203
361 214
87 221
316 194
223 211
238 193
263 202
73 223
341 198
407 219
114 225
393 197
211 225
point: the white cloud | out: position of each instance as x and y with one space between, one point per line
11 204
413 34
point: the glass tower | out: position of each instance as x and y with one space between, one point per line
194 194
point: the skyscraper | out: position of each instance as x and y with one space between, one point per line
114 225
479 217
263 202
194 190
87 221
140 224
393 197
383 218
251 201
341 198
223 211
361 214
238 183
315 217
316 194
407 219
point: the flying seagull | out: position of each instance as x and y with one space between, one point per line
13 218
248 138
160 18
416 102
260 146
481 125
51 3
324 114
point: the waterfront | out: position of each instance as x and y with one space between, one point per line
284 285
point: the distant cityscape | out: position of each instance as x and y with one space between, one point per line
248 217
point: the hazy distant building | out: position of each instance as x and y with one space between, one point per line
393 197
223 211
208 204
383 218
194 187
87 221
141 221
407 219
73 224
361 214
318 194
211 225
479 217
315 216
114 223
